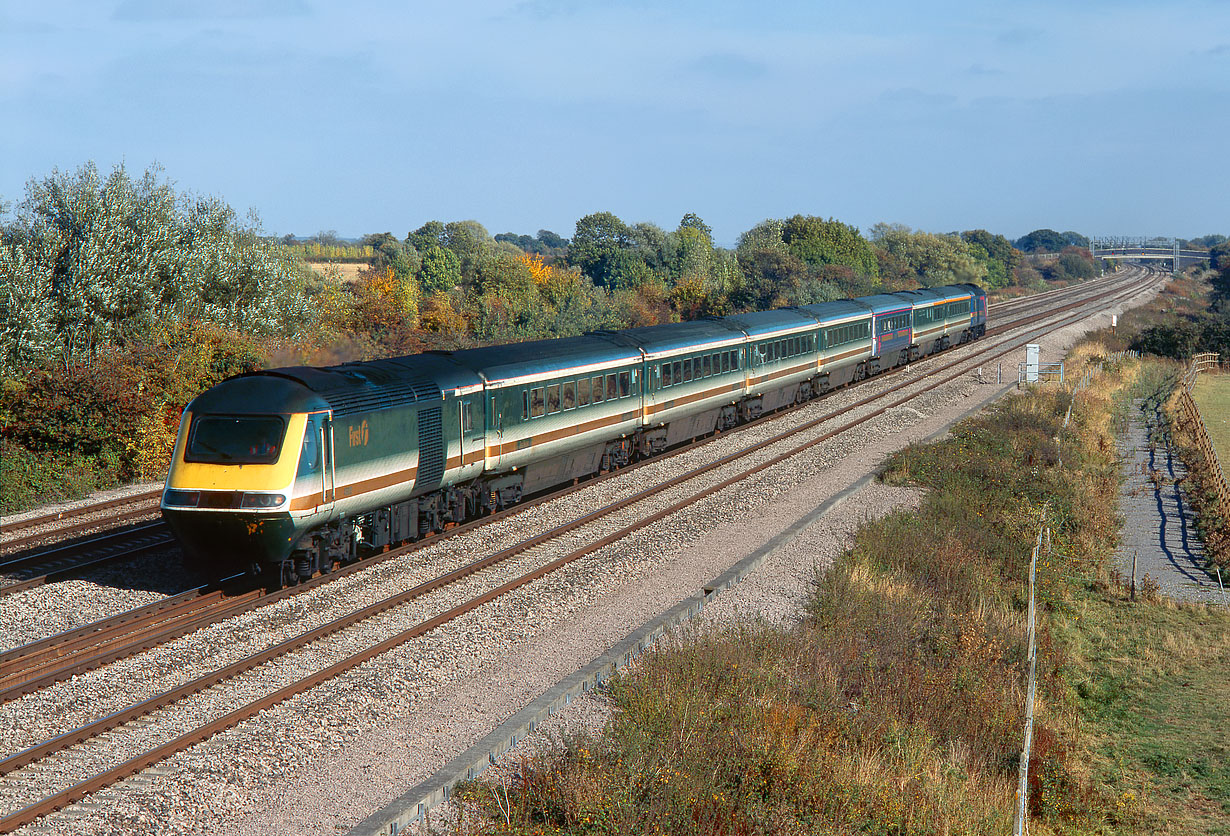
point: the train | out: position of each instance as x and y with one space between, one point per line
290 472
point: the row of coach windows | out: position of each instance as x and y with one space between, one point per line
842 334
695 368
938 313
559 397
894 322
783 349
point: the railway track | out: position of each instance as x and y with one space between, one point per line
22 570
37 665
519 565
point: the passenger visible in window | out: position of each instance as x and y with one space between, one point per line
553 399
570 395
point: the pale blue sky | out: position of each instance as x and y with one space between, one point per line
368 116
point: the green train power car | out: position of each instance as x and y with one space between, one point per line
288 472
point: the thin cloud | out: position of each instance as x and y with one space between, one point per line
146 10
1020 35
982 71
729 67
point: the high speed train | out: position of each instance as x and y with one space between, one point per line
289 472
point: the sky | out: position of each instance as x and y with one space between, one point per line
1107 118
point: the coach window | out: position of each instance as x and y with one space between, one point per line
612 390
666 375
597 387
553 399
625 384
538 404
707 365
583 392
687 370
569 395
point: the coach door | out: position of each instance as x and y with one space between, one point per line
314 478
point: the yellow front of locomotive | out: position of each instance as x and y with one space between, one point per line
246 476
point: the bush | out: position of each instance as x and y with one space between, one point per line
28 479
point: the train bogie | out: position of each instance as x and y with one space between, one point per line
291 471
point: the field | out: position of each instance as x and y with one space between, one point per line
1212 396
347 272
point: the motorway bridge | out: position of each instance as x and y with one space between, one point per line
1152 249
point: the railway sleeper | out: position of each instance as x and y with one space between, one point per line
342 542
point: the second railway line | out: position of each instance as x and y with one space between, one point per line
431 560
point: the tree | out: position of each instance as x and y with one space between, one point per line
92 262
550 239
1050 241
819 242
428 235
388 252
933 259
597 245
439 270
996 252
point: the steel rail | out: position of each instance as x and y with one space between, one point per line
72 513
142 761
42 663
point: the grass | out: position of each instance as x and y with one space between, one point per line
1212 396
1150 680
895 705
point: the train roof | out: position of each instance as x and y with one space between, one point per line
769 323
258 393
657 340
541 358
378 384
881 303
840 309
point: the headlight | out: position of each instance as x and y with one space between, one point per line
181 499
263 500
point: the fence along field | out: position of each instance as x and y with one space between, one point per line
1214 393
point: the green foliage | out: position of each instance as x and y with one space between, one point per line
1050 241
439 270
29 479
315 251
390 253
597 247
117 417
90 263
996 253
819 242
932 259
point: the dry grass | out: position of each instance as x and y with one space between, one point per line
344 272
896 706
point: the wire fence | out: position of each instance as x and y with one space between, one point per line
1190 416
1022 794
1086 380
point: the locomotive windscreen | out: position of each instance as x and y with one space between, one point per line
228 439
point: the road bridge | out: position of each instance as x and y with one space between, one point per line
1148 249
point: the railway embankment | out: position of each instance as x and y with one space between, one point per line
896 703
